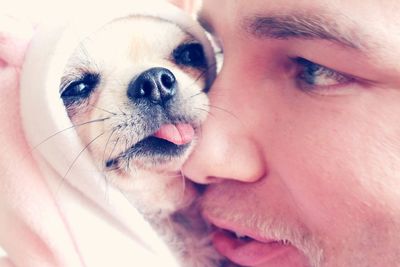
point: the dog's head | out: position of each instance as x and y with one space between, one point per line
136 92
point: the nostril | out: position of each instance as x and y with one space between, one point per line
168 84
146 88
167 80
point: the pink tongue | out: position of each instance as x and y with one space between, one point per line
178 134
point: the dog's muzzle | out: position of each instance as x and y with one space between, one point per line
167 134
156 85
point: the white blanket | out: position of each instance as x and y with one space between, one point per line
73 218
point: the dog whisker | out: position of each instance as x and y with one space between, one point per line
200 76
204 73
102 109
222 109
123 113
81 152
69 128
107 143
114 161
193 96
126 149
110 156
77 157
209 113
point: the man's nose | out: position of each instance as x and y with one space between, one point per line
227 148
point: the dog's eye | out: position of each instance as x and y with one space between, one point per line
82 87
190 54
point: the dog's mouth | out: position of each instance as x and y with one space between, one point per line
178 134
169 141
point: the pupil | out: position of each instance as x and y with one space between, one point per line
311 73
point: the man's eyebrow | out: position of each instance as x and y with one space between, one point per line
302 26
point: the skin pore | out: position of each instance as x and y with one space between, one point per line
302 144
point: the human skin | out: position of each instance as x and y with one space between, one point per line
303 139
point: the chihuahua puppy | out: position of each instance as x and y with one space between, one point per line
137 90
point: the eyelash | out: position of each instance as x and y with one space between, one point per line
309 72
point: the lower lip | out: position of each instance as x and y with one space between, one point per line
248 252
152 146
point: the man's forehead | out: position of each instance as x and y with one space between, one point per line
283 21
361 25
302 25
368 32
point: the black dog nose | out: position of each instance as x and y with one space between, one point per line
157 85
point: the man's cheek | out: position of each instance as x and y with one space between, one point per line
343 182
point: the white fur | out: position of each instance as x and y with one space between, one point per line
101 212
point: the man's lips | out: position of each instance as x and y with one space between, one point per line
247 251
247 248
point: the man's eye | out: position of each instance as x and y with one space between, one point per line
191 55
311 76
81 88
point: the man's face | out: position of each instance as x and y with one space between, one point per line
301 151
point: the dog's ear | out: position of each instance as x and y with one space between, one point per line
189 6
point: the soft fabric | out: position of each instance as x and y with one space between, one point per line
66 214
